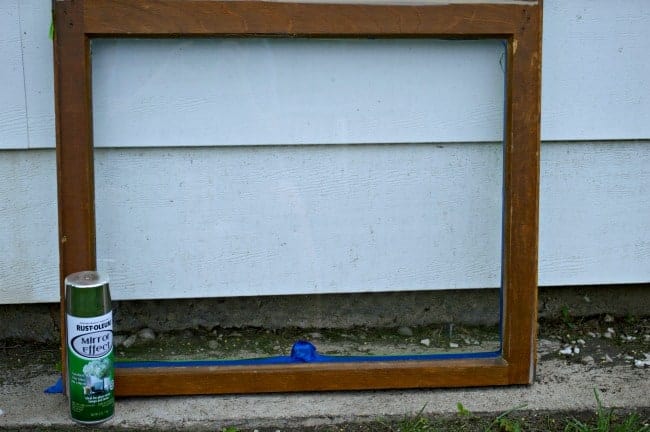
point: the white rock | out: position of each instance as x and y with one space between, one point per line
592 334
566 351
607 335
642 363
611 330
587 360
581 341
1 412
213 344
146 334
607 359
405 331
609 318
628 357
128 342
576 350
425 342
646 338
453 345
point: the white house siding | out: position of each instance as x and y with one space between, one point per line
232 218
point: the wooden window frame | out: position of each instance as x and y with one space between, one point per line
518 22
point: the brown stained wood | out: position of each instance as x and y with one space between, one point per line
521 185
213 18
518 22
309 377
74 150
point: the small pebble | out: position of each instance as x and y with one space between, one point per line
606 358
628 357
213 344
587 299
128 342
146 334
453 345
611 330
646 338
607 335
576 350
581 341
592 334
315 335
641 363
235 334
1 412
405 331
118 340
609 318
628 338
587 360
425 342
566 351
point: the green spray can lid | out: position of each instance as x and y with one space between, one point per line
87 294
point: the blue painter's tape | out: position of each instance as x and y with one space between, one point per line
305 352
56 388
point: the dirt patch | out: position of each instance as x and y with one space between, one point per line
601 340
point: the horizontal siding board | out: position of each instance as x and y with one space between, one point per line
594 202
35 21
13 118
288 91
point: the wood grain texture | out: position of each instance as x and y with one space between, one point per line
74 150
310 377
299 220
313 91
13 111
35 19
521 198
223 18
521 24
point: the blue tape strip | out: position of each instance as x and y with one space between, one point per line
305 352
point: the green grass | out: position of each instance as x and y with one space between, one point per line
607 421
512 420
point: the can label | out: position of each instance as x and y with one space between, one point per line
90 368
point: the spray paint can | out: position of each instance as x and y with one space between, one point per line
89 321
